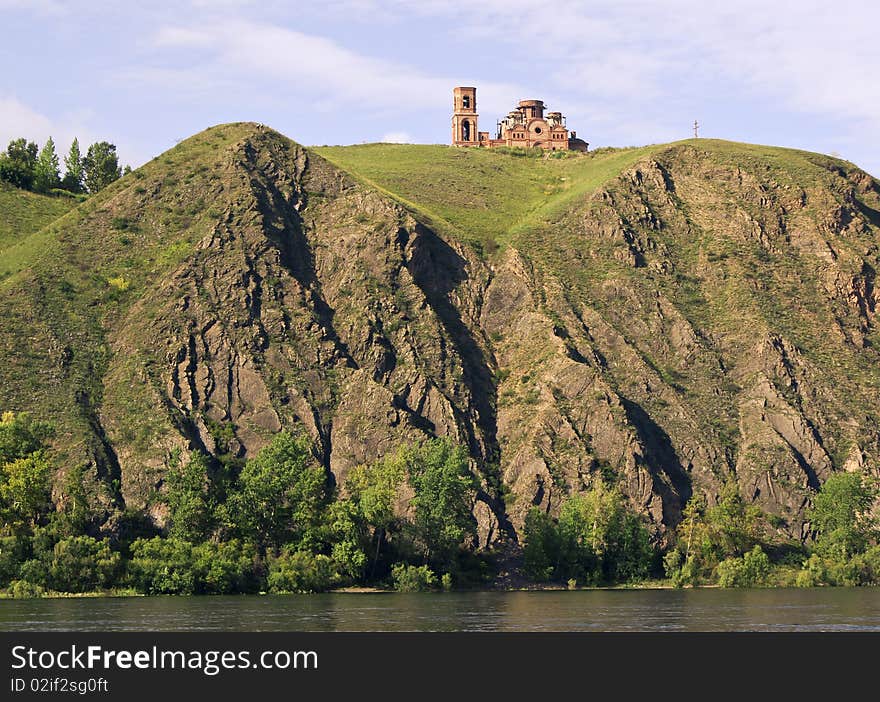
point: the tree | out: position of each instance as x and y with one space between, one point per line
21 435
280 495
706 536
602 539
24 490
541 547
100 166
190 506
734 525
74 176
301 571
841 515
24 471
18 163
82 564
373 490
444 489
46 168
750 570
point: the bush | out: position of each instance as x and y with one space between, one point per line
841 514
226 567
749 571
12 555
82 564
162 567
813 573
177 567
22 589
541 547
410 578
301 571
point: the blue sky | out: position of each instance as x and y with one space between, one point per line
801 74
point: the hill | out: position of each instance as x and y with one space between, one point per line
669 317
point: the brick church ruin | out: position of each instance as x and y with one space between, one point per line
526 126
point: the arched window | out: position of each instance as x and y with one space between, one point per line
466 131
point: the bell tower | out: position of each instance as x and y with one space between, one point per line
464 117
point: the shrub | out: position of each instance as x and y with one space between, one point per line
813 573
749 571
12 555
177 567
842 517
162 567
22 589
82 564
226 567
410 578
541 547
301 571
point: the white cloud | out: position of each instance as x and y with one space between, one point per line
312 68
19 120
809 55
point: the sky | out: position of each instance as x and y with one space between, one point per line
802 74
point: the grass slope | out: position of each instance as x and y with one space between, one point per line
22 217
483 195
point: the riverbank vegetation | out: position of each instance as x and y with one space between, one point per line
276 524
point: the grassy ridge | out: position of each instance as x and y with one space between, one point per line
483 195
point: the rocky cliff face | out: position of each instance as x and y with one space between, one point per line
704 315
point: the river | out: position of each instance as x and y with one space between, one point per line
821 609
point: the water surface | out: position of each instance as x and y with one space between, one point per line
822 609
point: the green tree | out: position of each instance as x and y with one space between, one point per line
301 571
280 495
82 564
18 164
74 171
191 510
373 491
21 435
541 550
750 570
100 166
734 526
444 490
841 515
46 174
602 539
24 491
347 534
24 471
73 512
410 578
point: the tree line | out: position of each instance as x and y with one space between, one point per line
274 523
277 523
28 167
